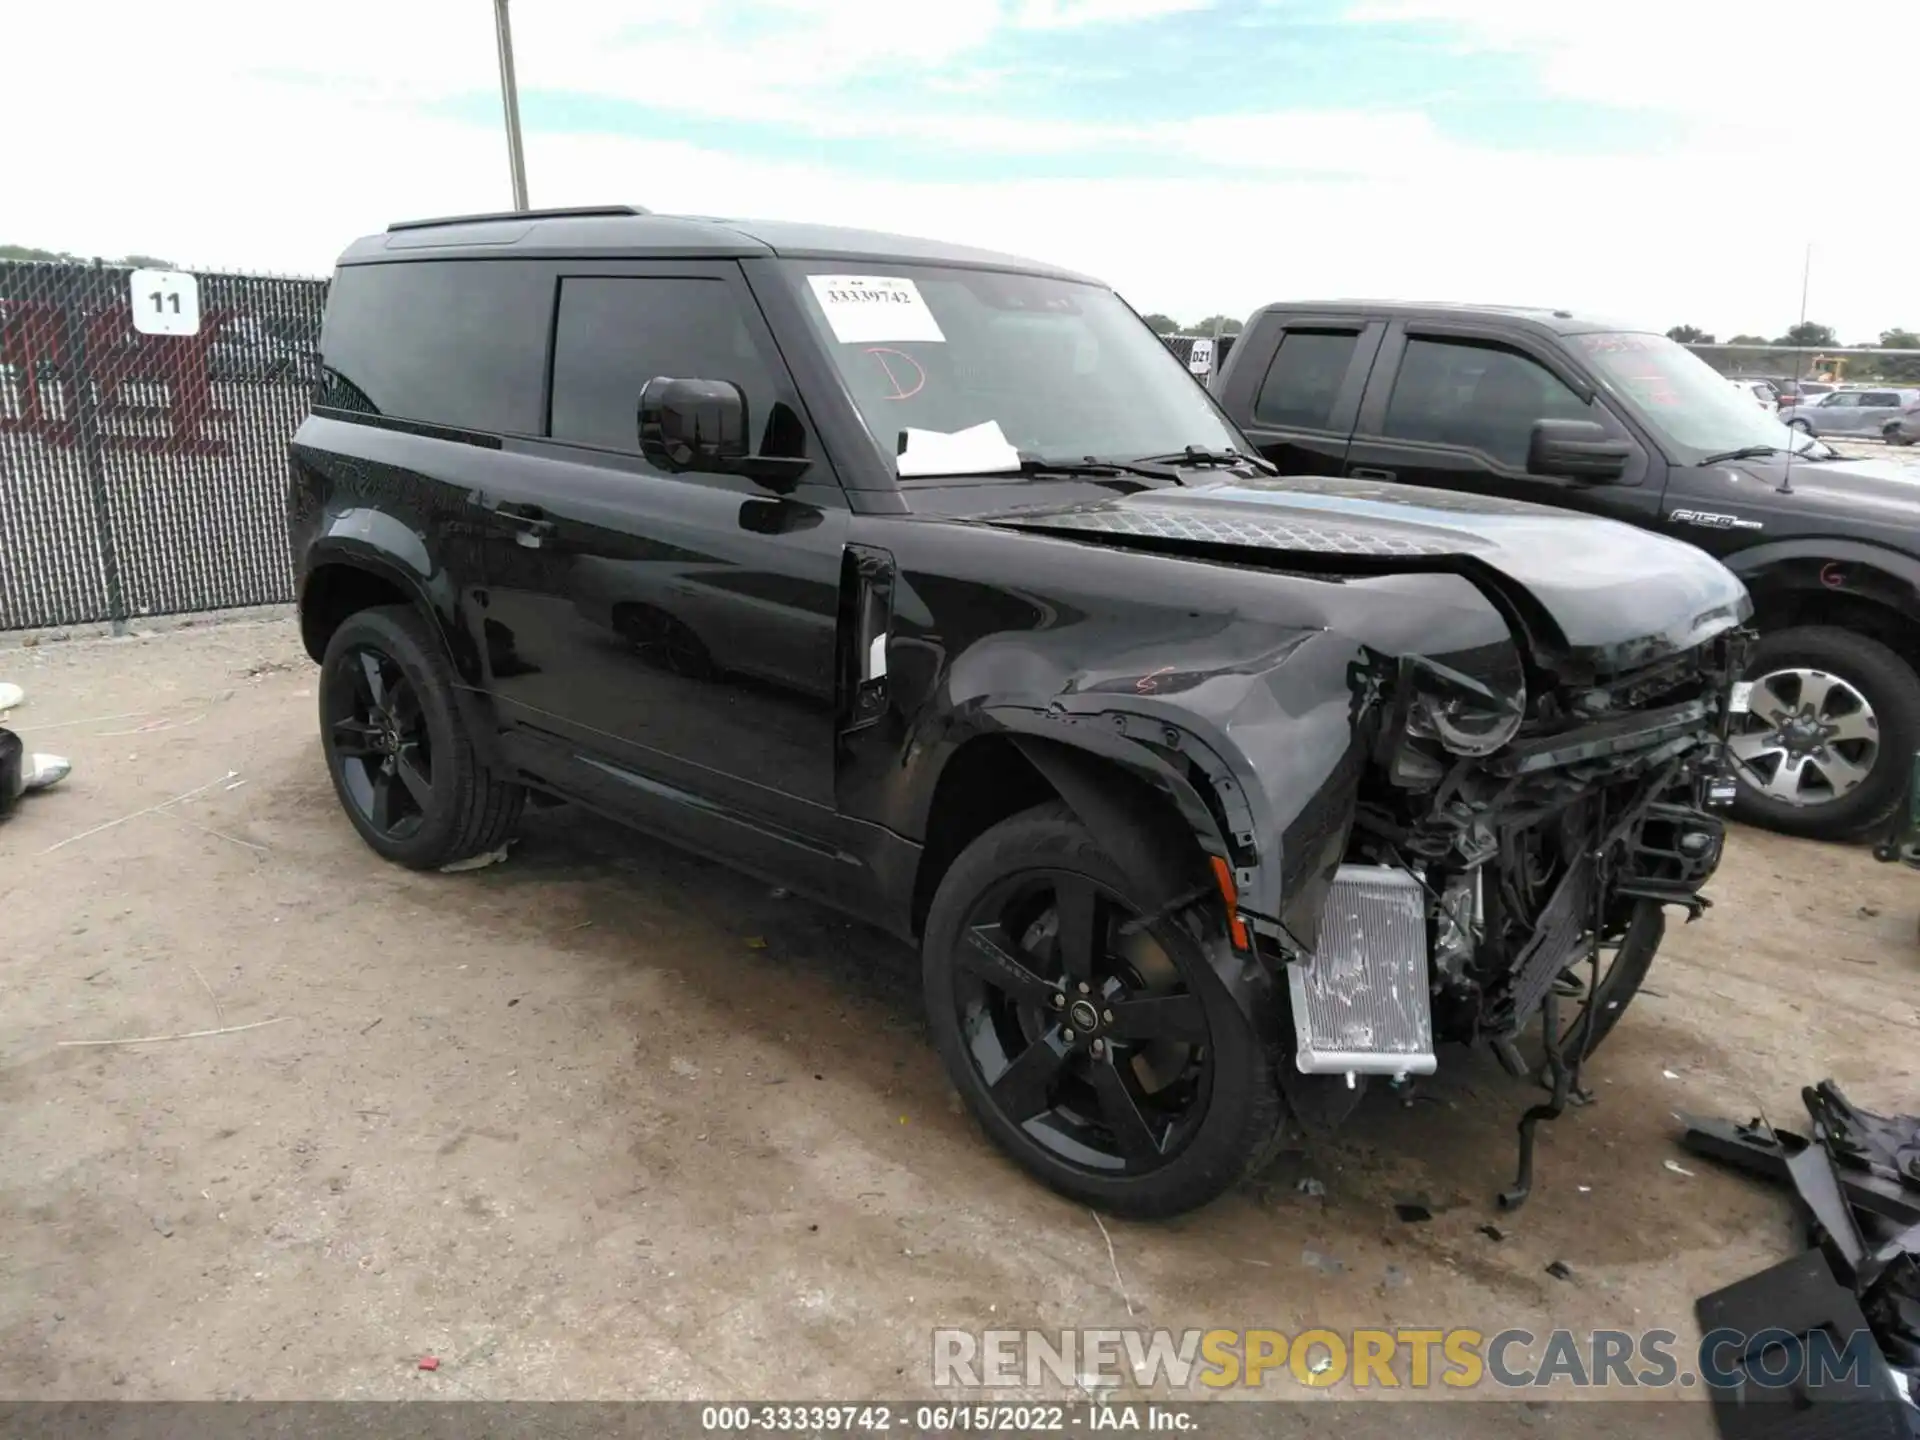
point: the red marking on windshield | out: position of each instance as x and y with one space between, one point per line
898 379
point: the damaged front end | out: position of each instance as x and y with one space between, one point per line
1455 795
1540 836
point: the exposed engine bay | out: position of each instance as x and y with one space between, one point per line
1509 861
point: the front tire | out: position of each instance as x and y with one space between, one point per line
397 746
1826 749
1803 426
1099 1051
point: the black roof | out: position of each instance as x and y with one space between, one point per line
1559 322
617 230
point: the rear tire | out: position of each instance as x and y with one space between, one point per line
1891 693
397 747
1167 1102
1894 436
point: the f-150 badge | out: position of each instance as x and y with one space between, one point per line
1708 519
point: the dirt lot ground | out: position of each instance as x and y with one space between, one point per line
607 1122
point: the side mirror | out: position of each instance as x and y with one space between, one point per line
1576 450
693 424
702 425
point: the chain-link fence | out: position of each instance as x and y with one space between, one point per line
1203 354
144 419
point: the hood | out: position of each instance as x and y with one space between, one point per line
1616 596
1873 491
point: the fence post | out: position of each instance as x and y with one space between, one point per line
92 441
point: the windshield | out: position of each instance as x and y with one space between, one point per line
979 369
1684 400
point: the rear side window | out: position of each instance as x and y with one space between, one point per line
1304 379
615 333
450 342
1479 396
1880 398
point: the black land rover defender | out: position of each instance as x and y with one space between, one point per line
1547 406
926 581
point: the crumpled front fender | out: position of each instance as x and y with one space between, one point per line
1269 753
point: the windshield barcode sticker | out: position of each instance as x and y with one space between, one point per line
1742 697
874 309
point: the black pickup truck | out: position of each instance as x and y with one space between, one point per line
1547 406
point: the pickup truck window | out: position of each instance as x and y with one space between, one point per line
1064 369
614 334
1480 396
1304 379
1682 399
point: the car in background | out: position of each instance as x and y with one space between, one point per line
1864 411
1761 392
1794 392
1904 429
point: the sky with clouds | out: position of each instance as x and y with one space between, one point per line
1663 161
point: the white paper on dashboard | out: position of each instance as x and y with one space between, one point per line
978 450
874 309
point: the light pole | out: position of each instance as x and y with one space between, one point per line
510 98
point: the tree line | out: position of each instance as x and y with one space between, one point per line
1213 324
29 252
1804 336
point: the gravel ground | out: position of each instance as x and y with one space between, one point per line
609 1122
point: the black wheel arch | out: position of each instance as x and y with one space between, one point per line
1851 585
342 578
1151 820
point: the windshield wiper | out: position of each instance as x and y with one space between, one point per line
1760 452
1197 455
1095 467
1745 452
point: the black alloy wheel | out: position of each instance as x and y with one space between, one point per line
1080 1026
397 745
380 738
1097 1048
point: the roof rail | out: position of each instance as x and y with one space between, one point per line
568 212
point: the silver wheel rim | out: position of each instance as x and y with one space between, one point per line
1808 738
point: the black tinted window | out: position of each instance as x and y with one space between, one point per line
1479 396
616 334
453 342
1303 380
1880 398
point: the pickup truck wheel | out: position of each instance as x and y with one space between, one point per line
1099 1051
397 748
1826 746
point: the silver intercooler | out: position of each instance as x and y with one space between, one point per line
1360 1005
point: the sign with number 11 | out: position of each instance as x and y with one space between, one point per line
165 302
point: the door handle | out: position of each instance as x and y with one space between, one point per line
529 520
1367 472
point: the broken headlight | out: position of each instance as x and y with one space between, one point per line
1465 715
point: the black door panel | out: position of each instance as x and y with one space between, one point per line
659 630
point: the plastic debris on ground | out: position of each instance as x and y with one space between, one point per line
475 862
